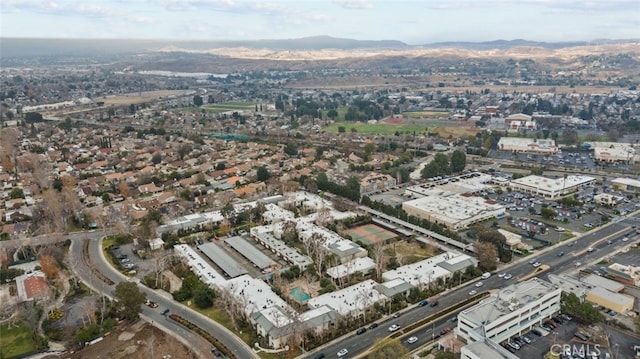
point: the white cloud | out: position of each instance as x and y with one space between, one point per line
354 4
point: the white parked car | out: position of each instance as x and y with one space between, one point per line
536 264
473 292
342 352
508 276
479 284
501 275
412 340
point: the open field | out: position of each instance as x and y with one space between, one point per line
410 252
15 341
141 97
421 114
407 126
227 106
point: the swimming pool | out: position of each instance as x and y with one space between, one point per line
300 295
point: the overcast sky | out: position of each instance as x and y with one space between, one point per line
413 22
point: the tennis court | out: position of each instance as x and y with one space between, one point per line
370 234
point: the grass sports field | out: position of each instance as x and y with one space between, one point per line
227 106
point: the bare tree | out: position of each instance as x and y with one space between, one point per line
315 248
381 259
89 309
323 216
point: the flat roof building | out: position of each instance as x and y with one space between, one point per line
511 311
485 350
454 211
527 145
626 184
620 303
613 151
350 301
357 265
420 274
551 188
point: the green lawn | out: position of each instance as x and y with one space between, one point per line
421 114
15 341
341 112
227 106
378 128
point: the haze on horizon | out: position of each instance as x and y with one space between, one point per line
413 22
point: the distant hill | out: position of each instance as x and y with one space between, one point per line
16 47
87 48
508 44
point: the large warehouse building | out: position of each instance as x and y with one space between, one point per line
551 188
454 211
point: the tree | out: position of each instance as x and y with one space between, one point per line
263 173
572 305
570 136
381 259
157 158
291 149
439 166
458 161
49 266
129 299
389 349
203 296
487 255
32 117
16 192
197 100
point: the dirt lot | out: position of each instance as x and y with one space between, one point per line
134 342
140 97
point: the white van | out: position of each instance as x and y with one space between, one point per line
486 275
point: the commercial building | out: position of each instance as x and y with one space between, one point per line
527 145
621 303
613 151
597 290
520 122
511 311
454 211
551 188
626 184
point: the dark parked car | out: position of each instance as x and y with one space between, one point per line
433 304
361 331
373 325
423 303
319 356
166 311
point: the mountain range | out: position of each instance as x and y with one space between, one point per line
24 47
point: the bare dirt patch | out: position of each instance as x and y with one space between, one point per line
141 97
411 252
135 342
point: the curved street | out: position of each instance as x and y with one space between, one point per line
154 316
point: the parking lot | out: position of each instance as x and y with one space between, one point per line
562 340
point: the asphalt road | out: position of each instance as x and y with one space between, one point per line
574 251
237 346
